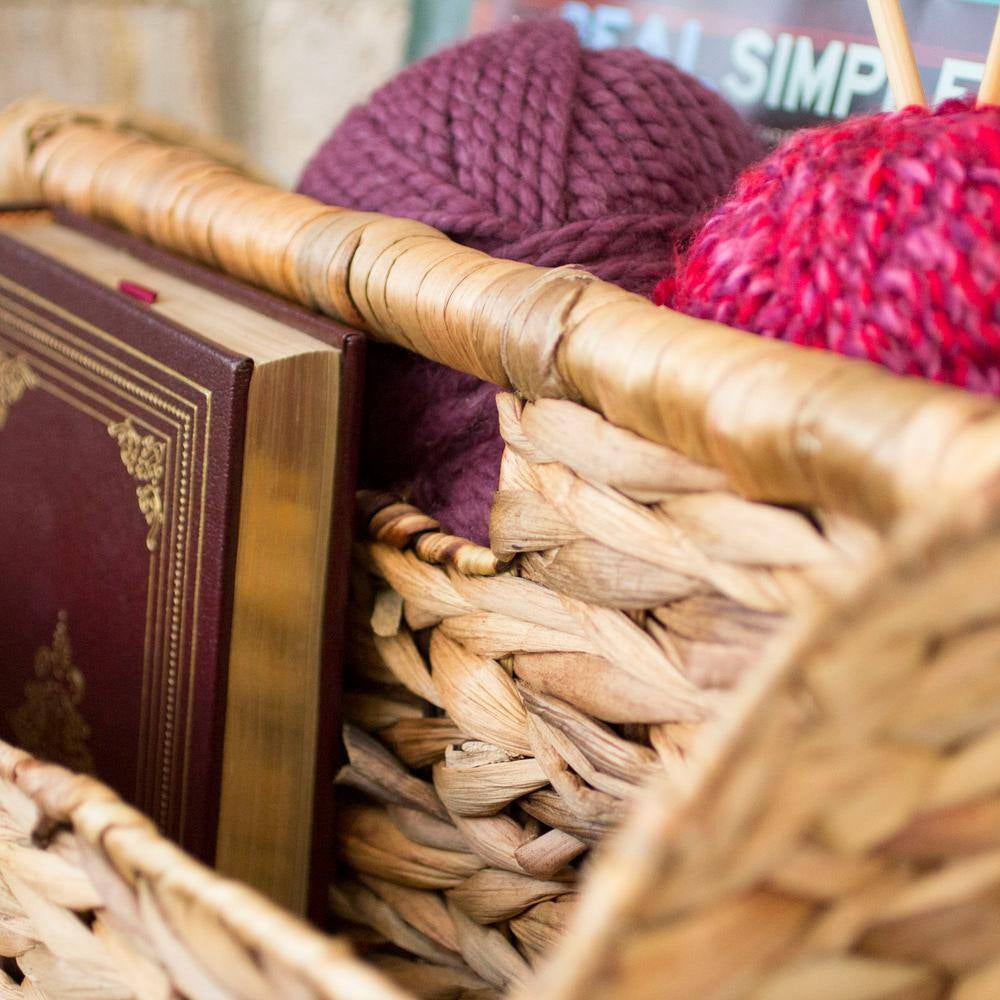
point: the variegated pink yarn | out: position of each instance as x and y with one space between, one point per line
878 238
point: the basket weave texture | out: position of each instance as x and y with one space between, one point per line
678 503
843 837
94 904
841 841
504 708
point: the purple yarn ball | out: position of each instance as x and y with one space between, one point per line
524 145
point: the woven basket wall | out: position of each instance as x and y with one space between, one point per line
715 575
501 721
841 842
501 718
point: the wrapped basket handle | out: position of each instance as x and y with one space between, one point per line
787 425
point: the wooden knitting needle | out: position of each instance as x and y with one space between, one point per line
894 41
989 89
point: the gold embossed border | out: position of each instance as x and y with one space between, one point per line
48 720
100 384
16 378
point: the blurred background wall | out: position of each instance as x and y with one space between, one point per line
274 75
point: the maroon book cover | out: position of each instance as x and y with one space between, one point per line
121 447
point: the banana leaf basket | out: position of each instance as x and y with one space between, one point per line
716 716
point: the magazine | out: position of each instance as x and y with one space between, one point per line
785 64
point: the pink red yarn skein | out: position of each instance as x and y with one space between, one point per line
522 144
878 238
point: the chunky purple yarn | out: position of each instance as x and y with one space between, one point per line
524 145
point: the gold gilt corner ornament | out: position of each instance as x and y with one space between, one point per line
48 723
16 378
142 456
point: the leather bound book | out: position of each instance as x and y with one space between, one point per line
177 461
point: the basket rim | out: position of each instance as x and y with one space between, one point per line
788 425
131 846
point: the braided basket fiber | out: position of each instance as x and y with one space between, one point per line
680 505
96 905
842 837
841 840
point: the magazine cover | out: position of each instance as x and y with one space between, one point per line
784 64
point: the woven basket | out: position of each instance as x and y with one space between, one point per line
720 566
95 905
841 840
